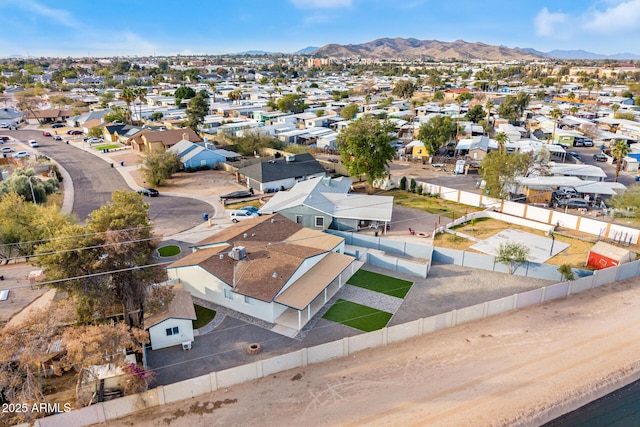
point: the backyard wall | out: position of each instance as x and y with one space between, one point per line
106 411
595 227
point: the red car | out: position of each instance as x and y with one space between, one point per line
74 132
46 133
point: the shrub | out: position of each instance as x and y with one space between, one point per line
412 186
403 183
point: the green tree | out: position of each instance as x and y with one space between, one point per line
566 272
488 106
95 132
128 95
183 92
103 263
476 113
197 110
404 89
501 138
291 103
254 142
349 112
365 148
403 183
26 184
159 166
629 200
438 95
141 95
512 254
619 151
116 114
156 115
106 98
235 95
500 169
436 133
556 115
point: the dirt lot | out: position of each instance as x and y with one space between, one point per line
522 368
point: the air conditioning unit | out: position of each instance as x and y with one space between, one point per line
186 345
290 159
238 253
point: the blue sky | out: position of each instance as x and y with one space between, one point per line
160 27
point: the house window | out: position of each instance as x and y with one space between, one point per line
228 294
319 221
298 219
247 300
172 331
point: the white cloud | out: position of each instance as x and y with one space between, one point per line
547 24
60 16
321 4
621 16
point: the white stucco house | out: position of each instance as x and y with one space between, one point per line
172 326
269 268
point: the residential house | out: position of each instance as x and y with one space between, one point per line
321 203
269 268
48 116
120 132
161 140
173 325
193 155
476 148
281 173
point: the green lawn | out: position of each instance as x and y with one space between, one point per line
169 250
107 146
204 316
380 283
357 316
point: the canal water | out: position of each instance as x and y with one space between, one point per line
620 408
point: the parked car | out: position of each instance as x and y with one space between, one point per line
57 138
241 215
599 157
3 138
575 155
587 142
57 125
4 125
572 203
151 192
33 143
45 133
74 132
251 209
565 146
21 154
94 140
7 150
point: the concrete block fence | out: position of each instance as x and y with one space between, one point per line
111 410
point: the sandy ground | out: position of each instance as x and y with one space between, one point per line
522 368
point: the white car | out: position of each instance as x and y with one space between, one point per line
21 154
94 140
241 215
33 143
7 150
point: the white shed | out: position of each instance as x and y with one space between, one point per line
173 326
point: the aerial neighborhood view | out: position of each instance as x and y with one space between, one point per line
428 216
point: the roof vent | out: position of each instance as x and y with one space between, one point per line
238 253
273 220
221 256
245 235
274 275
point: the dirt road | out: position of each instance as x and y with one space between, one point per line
521 368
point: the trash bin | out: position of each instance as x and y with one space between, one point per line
104 150
121 163
111 164
205 216
637 177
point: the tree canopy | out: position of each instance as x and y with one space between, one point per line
183 92
404 89
197 110
365 148
629 200
349 112
500 169
476 113
619 151
437 132
158 166
253 142
513 254
292 103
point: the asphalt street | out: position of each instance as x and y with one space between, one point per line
94 180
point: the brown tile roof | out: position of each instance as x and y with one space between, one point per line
168 137
180 307
272 247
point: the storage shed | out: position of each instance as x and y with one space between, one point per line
603 255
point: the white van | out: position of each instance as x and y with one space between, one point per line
241 215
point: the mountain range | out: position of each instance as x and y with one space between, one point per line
410 48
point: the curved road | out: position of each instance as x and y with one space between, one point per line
94 180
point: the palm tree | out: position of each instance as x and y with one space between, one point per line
619 152
573 110
128 95
141 94
488 106
235 95
555 114
501 138
615 108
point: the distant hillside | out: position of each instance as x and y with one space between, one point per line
306 50
583 54
401 48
